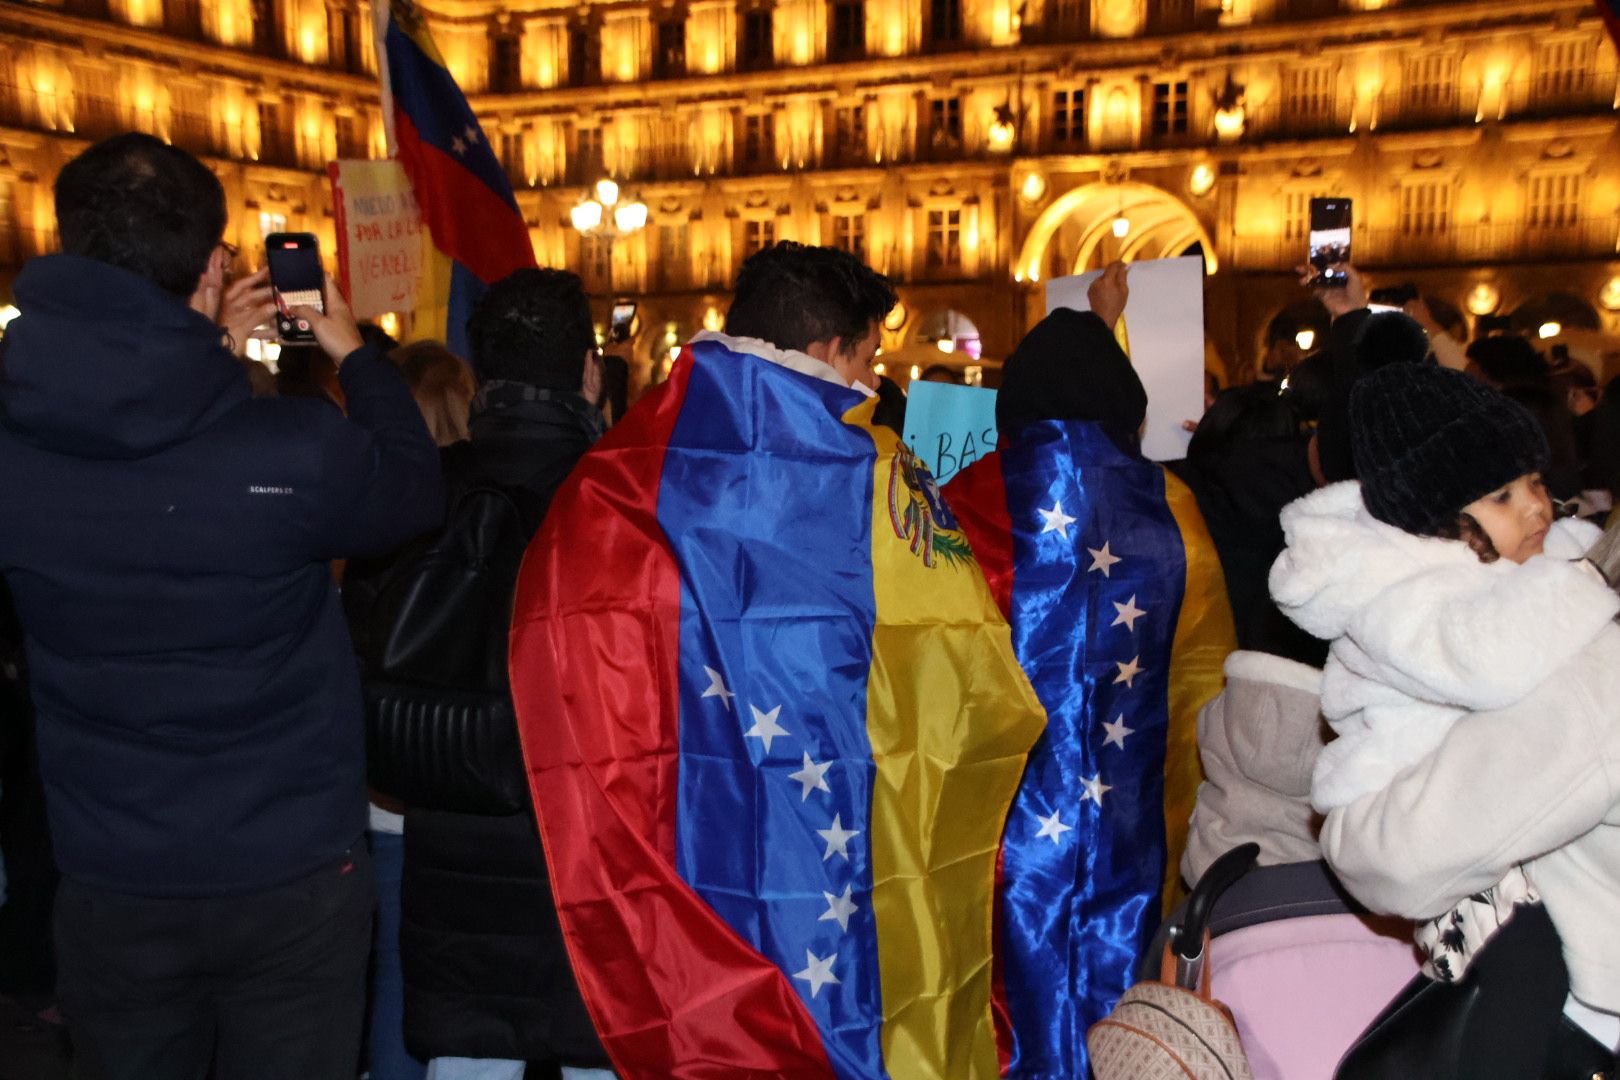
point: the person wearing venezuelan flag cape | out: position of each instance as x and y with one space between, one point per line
771 714
1119 616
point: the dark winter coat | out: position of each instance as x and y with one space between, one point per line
166 541
486 971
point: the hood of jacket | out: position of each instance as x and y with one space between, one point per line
1423 616
102 364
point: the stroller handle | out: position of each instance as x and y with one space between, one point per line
1187 938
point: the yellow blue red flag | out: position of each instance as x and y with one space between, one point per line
478 234
1119 615
773 723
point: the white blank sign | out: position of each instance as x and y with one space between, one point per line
1164 324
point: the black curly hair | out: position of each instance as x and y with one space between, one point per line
791 294
533 326
138 203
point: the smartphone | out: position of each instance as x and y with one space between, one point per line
1330 242
296 279
622 321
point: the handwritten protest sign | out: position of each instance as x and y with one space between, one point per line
379 236
1164 328
950 427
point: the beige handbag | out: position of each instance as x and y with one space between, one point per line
1172 1029
1161 1031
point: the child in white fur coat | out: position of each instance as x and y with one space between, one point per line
1446 588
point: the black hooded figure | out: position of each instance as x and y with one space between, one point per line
1071 367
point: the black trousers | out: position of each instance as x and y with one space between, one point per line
264 986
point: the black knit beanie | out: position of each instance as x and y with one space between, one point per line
1428 441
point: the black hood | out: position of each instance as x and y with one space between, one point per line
1070 367
103 364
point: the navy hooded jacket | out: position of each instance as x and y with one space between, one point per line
166 536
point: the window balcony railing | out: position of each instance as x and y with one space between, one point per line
1579 238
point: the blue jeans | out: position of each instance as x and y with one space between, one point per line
386 1057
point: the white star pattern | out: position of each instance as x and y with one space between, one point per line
472 133
1117 732
765 726
1056 520
1052 827
1127 672
812 776
458 146
837 838
1128 614
817 973
1095 789
717 687
1103 559
839 908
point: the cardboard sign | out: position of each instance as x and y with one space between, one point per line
1164 332
379 236
950 427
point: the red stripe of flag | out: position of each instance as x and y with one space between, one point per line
469 222
672 989
978 497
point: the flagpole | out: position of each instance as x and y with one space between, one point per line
381 15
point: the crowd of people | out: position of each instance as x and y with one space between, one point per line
257 664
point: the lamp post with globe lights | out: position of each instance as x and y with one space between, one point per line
604 215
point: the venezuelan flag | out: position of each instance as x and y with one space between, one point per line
1119 615
478 235
773 724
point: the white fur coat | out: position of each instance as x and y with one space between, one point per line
1422 632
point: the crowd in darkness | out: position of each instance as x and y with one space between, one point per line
234 602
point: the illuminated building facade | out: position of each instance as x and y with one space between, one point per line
969 148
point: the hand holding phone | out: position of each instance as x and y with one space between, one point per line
334 328
296 280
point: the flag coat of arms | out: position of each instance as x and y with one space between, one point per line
1119 615
478 236
773 723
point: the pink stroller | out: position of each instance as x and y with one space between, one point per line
1301 966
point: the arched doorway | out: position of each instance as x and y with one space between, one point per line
1082 220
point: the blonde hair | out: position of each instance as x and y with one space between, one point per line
442 384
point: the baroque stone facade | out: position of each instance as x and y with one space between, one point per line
969 148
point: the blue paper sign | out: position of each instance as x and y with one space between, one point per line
950 427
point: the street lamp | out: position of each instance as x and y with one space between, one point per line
601 214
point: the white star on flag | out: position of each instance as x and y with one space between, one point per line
839 908
1095 789
1051 826
812 776
472 133
1117 732
1127 672
837 838
458 146
1103 559
1056 520
817 973
765 726
1128 613
717 687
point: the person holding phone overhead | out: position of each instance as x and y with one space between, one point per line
166 541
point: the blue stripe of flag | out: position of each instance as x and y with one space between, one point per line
1078 911
765 499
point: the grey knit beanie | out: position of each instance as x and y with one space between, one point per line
1428 441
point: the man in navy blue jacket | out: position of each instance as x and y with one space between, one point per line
167 537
